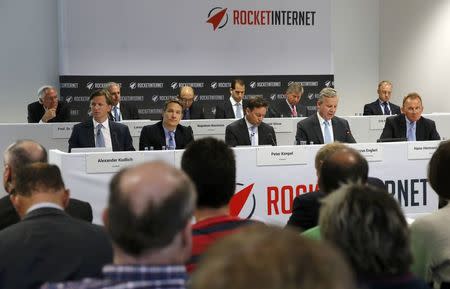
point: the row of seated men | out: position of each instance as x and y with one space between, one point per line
149 239
322 127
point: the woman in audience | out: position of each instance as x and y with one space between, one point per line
430 235
368 225
263 257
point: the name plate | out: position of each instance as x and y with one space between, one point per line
208 127
371 151
281 124
377 122
135 127
62 130
97 163
421 150
280 155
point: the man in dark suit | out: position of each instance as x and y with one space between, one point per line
17 155
410 124
47 244
335 164
191 110
234 106
289 107
100 131
382 106
251 130
48 108
168 133
120 110
323 126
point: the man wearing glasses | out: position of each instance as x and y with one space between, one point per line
190 109
410 124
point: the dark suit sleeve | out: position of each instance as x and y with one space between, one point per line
301 134
304 213
128 140
220 112
32 117
230 137
388 130
80 210
190 135
144 140
73 140
367 110
434 135
348 134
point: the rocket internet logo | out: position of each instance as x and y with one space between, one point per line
239 199
216 17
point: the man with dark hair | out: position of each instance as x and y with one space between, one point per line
191 110
324 126
149 220
289 106
212 167
17 155
251 130
335 164
100 131
48 108
48 244
382 106
120 110
234 106
410 124
167 133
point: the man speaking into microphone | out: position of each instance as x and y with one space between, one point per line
251 130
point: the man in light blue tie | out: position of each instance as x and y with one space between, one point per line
324 127
410 125
120 110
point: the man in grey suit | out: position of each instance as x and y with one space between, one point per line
251 130
324 127
410 124
48 244
289 107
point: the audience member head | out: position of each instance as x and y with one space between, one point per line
186 96
367 224
149 214
37 183
48 96
271 258
114 92
237 89
17 155
384 90
100 105
342 166
172 114
324 152
438 169
294 92
412 106
212 167
327 103
256 110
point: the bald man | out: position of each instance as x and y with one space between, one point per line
148 217
190 109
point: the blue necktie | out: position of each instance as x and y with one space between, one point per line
327 133
171 140
116 114
411 136
238 111
99 140
386 110
253 135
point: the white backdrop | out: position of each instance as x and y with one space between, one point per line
159 37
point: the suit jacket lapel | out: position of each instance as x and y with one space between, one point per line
162 136
420 130
243 130
402 125
114 135
179 140
317 129
90 133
